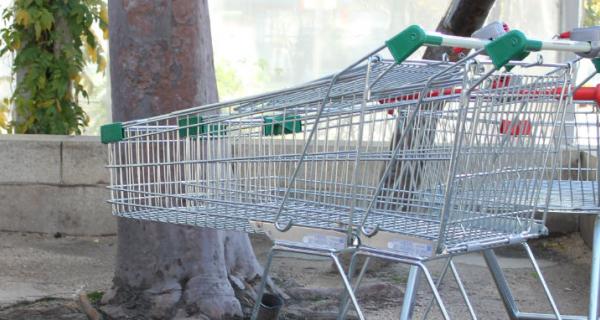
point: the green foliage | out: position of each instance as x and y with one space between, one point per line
52 41
228 84
95 296
592 13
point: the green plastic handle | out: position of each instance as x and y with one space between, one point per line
513 45
408 41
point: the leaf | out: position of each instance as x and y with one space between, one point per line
38 30
91 52
76 78
104 13
46 20
41 82
45 99
105 33
3 118
101 64
15 44
22 17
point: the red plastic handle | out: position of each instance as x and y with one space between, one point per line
588 93
565 35
582 94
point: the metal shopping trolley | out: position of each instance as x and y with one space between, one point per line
573 190
283 163
311 166
482 191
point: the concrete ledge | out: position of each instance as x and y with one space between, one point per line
52 184
560 223
33 160
75 210
84 160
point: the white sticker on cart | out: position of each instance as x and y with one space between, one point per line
411 248
321 240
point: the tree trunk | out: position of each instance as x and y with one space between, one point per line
462 18
161 60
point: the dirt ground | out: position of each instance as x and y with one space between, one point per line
40 276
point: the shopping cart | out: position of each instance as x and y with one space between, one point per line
574 190
523 127
567 191
311 166
482 194
267 163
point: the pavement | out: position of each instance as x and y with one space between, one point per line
35 266
38 266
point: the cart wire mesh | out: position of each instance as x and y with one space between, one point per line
575 187
468 162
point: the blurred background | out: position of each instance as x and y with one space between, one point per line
263 45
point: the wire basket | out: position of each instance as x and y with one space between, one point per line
449 155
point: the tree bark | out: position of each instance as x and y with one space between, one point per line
161 60
462 18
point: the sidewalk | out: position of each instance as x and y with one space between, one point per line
35 266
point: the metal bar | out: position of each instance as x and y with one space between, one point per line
348 286
595 272
435 291
263 283
551 45
536 267
438 285
463 292
501 283
410 293
363 271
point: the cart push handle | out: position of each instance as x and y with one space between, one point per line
588 94
513 45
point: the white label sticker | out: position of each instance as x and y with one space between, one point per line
411 248
325 241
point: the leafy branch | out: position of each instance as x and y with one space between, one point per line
52 40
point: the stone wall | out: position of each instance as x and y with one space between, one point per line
53 184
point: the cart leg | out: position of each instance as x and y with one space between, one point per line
501 284
438 285
263 283
410 294
344 296
346 302
348 286
435 291
463 292
595 272
536 267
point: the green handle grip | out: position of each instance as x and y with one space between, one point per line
513 45
405 43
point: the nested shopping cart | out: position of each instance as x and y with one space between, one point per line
571 189
406 160
574 189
